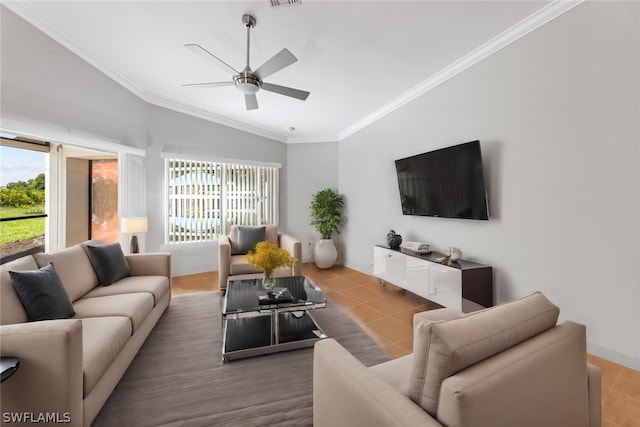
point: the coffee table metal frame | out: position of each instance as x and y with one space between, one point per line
251 329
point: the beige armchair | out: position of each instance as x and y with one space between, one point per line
232 250
505 366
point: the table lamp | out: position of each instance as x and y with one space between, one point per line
136 224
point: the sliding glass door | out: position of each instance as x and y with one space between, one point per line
22 198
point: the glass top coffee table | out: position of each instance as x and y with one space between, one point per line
257 322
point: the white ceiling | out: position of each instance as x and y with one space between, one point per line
359 59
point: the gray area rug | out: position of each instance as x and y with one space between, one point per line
178 378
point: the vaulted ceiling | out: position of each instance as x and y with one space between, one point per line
358 59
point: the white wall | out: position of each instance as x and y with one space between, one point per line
44 82
311 167
557 115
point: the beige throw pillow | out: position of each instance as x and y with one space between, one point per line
443 348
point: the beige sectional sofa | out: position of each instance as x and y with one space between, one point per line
510 365
69 367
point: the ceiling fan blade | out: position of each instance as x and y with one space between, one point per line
287 91
199 50
280 60
212 84
251 101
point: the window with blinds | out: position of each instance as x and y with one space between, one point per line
206 198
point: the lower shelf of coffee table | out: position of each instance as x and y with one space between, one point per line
252 336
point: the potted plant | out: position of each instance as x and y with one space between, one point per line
326 217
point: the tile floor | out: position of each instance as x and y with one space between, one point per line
386 313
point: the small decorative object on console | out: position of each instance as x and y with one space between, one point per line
450 255
454 254
394 240
417 247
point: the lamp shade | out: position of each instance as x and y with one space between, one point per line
135 224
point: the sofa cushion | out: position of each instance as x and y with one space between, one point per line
135 306
102 340
239 265
73 267
109 262
442 348
42 294
158 286
540 382
11 309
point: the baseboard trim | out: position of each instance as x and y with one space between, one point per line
614 356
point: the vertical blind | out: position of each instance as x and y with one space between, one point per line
206 198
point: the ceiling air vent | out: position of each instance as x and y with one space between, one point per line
278 3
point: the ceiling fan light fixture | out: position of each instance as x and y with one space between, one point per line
247 88
247 83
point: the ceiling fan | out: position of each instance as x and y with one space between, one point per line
247 81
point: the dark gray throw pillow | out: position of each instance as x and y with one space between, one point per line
248 236
109 262
42 294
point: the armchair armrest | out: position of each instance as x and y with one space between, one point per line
224 261
347 393
150 264
50 376
294 247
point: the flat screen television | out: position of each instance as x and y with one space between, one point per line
447 183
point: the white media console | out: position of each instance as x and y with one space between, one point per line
463 285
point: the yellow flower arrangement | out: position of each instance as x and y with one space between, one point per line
269 257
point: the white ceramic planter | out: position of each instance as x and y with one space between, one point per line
325 253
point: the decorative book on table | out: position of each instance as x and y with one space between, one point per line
270 297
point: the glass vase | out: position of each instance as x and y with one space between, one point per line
268 282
